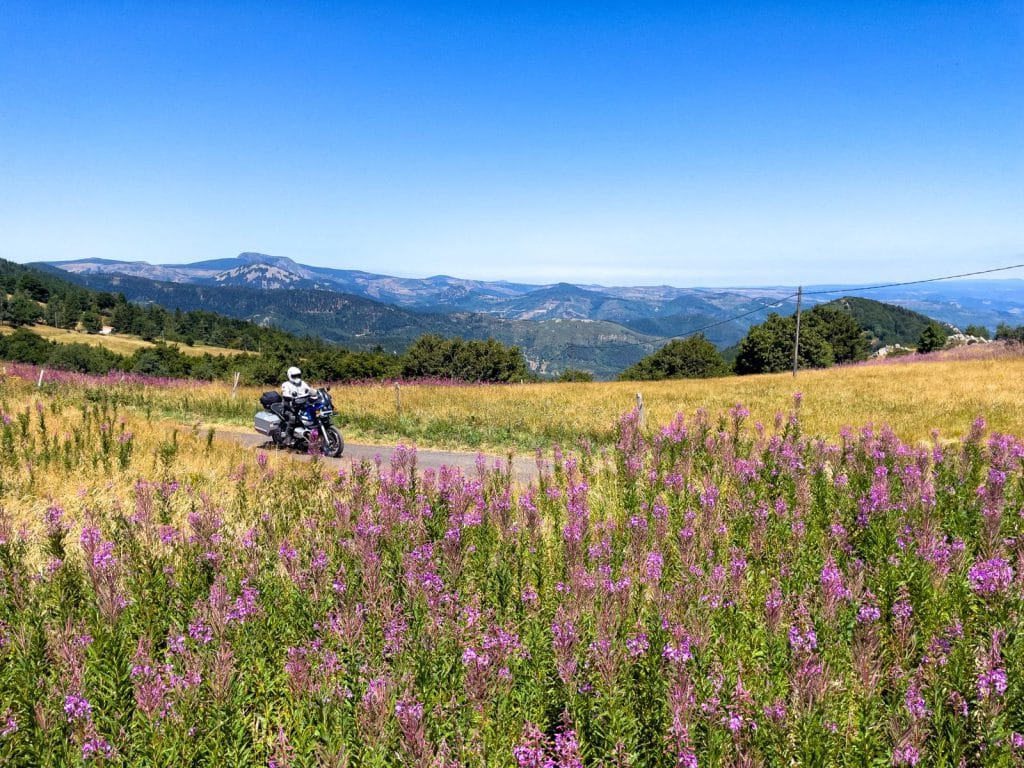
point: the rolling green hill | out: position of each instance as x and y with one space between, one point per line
550 346
885 323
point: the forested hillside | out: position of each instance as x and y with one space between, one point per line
841 331
885 323
263 352
549 345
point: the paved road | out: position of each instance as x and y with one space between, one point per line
524 469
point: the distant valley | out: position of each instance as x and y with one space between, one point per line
595 328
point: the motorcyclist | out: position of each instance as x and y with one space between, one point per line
292 389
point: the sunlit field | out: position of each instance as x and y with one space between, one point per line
702 591
914 398
119 343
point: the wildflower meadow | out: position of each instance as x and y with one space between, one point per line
709 591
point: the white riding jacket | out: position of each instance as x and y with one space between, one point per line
290 391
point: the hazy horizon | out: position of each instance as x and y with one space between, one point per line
1001 275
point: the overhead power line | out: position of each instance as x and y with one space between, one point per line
769 304
914 282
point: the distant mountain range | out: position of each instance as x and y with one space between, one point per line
596 328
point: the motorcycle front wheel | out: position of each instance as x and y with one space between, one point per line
334 443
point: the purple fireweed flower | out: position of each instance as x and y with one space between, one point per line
96 746
394 635
169 534
832 581
340 583
564 639
77 708
867 614
176 644
902 609
245 606
10 725
803 640
283 752
318 562
906 754
409 709
90 538
776 711
567 749
637 645
773 605
677 650
653 566
878 496
635 523
409 713
990 577
992 683
531 751
915 703
737 566
617 586
709 498
298 669
200 631
54 519
103 556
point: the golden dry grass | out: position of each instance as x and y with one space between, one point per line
116 342
911 397
96 487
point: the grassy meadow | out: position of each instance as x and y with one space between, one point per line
703 591
122 344
912 396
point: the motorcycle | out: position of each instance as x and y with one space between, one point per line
313 429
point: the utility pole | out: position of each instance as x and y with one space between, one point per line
796 341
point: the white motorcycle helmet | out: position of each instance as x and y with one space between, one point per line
294 375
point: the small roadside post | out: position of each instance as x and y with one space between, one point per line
796 340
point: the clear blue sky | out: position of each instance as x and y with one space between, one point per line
614 143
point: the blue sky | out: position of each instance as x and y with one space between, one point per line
612 143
